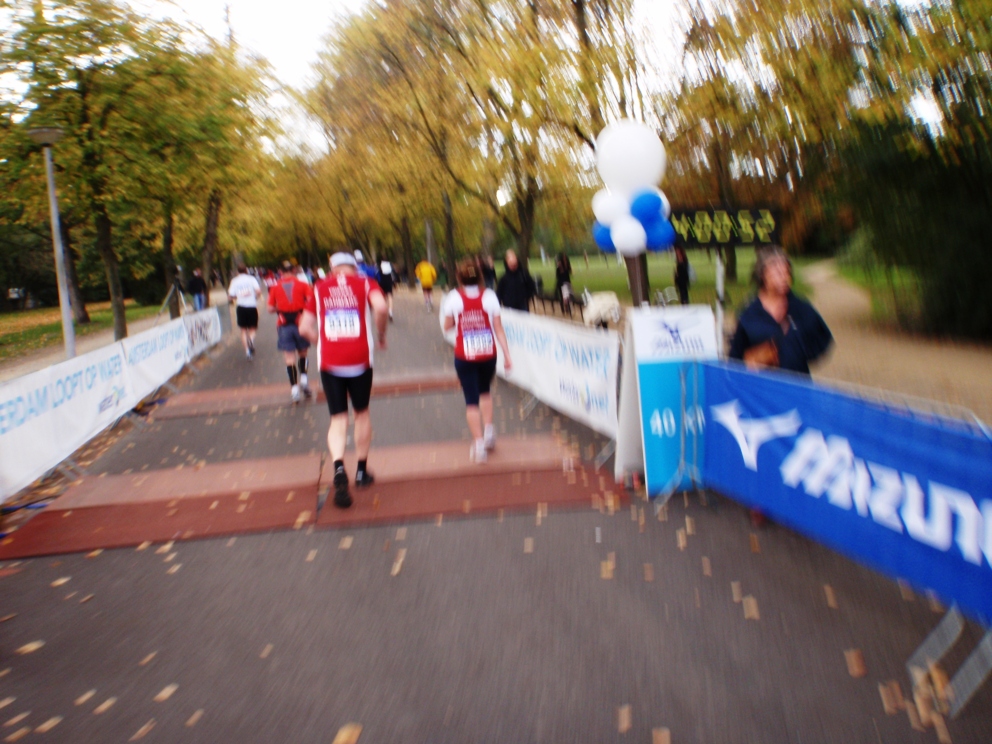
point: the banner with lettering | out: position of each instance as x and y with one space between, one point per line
906 494
713 227
47 415
570 368
203 330
155 355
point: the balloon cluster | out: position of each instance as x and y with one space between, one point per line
631 212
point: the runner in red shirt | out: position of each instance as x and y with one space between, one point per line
474 313
336 318
288 298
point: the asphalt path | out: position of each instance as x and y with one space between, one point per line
575 626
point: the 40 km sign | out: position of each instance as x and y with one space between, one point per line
659 406
708 227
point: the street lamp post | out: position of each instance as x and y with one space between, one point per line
46 137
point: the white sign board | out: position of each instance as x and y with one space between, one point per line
568 367
47 415
152 357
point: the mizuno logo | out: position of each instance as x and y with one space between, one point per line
750 434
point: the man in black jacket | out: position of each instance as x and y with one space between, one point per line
516 287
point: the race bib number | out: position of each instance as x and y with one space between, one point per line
478 343
342 324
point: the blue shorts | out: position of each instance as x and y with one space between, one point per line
290 339
476 379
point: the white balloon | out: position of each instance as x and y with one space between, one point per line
629 236
629 156
609 207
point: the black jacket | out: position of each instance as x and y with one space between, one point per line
515 288
807 339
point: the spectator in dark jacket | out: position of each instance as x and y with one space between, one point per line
516 287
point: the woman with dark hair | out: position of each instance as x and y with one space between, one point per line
778 329
473 312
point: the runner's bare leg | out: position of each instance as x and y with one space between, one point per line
363 434
337 435
486 409
474 420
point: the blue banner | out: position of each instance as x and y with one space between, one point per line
907 495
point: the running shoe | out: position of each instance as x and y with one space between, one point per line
342 499
296 393
363 480
477 453
490 440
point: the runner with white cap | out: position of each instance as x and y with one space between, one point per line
337 319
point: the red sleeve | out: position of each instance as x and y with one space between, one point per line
272 296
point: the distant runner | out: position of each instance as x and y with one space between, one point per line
245 291
336 318
386 280
427 275
288 298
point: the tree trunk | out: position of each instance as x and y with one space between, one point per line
429 239
407 242
526 204
210 239
488 236
79 313
726 192
169 262
588 73
105 246
449 234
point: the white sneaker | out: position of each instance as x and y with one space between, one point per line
490 438
304 382
477 453
296 393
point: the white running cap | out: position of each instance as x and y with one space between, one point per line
387 268
342 259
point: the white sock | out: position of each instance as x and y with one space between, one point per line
303 379
490 432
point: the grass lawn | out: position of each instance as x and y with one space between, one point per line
606 275
30 330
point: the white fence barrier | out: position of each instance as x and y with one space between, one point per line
47 415
570 368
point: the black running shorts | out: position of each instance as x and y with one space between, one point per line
476 379
337 390
247 317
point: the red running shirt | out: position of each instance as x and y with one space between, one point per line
341 304
289 296
474 341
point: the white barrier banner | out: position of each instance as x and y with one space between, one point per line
568 367
152 357
45 416
203 330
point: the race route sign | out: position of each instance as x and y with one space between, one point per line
708 227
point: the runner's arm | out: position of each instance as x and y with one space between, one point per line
308 327
501 339
380 312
